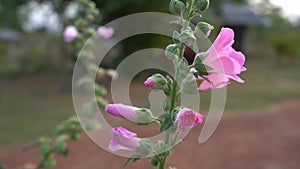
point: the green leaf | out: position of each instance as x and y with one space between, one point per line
189 85
2 166
161 149
172 51
176 36
61 146
195 47
145 149
166 124
100 90
48 162
134 159
187 37
154 161
45 146
183 66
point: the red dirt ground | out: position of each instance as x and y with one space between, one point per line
269 140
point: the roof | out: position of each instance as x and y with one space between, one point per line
9 35
241 15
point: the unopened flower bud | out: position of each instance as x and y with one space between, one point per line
203 29
156 81
172 51
176 7
201 5
138 115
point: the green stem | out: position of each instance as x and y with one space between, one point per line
190 5
189 14
162 164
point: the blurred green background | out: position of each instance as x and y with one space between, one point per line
36 65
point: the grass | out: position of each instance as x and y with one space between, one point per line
266 84
32 106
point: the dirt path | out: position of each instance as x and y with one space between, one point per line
269 140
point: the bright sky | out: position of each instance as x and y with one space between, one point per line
44 15
290 7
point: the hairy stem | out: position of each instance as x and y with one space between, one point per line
162 164
173 98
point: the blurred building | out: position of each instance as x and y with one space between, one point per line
10 37
240 17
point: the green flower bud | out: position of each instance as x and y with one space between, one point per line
176 7
159 79
172 51
203 29
144 116
201 5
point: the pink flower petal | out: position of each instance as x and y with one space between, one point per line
122 139
150 82
223 42
218 80
236 78
238 56
225 65
121 110
187 118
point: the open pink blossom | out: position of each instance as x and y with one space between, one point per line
106 32
150 82
122 139
70 33
226 63
121 110
187 118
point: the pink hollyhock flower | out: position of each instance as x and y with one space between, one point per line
226 63
123 111
187 118
70 33
122 139
150 82
105 32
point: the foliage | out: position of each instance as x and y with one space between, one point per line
9 13
70 129
287 47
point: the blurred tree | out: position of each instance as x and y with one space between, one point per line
9 13
285 47
118 8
